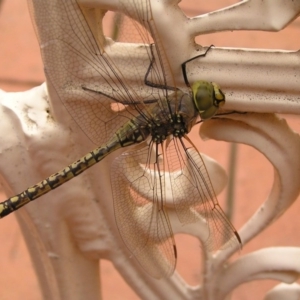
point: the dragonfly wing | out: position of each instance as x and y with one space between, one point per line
140 214
74 59
194 197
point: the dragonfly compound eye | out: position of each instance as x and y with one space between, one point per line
207 97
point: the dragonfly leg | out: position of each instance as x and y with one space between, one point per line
183 65
152 84
230 113
216 116
116 100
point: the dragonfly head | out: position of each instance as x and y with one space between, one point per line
208 98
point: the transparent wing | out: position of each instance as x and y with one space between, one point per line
144 225
194 196
74 59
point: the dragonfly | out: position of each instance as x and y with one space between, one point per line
155 120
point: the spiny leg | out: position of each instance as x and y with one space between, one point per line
116 100
183 65
152 84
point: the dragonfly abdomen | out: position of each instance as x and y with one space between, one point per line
57 179
131 133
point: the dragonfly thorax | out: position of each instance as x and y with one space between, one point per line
174 115
174 126
177 119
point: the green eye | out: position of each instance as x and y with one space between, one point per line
207 97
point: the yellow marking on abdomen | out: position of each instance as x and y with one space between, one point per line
57 179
